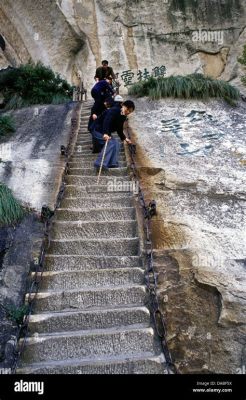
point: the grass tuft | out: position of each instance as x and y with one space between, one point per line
11 211
7 125
194 86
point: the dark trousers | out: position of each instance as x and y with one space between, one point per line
111 158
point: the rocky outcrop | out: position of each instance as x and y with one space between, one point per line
32 154
32 167
192 162
75 35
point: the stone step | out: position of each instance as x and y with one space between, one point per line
91 230
88 155
117 296
91 203
137 364
93 319
90 164
102 191
83 148
87 247
84 132
92 157
93 172
98 214
92 180
96 344
84 142
70 280
68 263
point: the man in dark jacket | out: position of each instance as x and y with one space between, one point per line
112 121
105 71
100 92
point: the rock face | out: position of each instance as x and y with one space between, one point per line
75 35
32 155
32 167
193 164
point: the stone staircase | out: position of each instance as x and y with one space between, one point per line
90 314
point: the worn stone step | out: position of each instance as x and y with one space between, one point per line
90 298
91 203
84 141
92 180
82 135
88 148
137 364
93 319
93 172
91 157
90 164
84 131
70 280
67 263
91 230
98 343
88 155
116 247
98 214
102 191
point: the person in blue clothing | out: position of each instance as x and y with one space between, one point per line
97 121
111 121
100 92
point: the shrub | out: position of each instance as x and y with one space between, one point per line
242 61
32 84
7 125
11 211
16 314
191 86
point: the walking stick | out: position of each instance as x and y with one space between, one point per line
104 152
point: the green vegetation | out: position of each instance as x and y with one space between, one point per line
195 86
7 125
242 61
16 314
11 211
32 84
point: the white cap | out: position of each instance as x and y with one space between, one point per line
118 98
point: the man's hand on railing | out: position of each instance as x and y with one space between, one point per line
128 141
